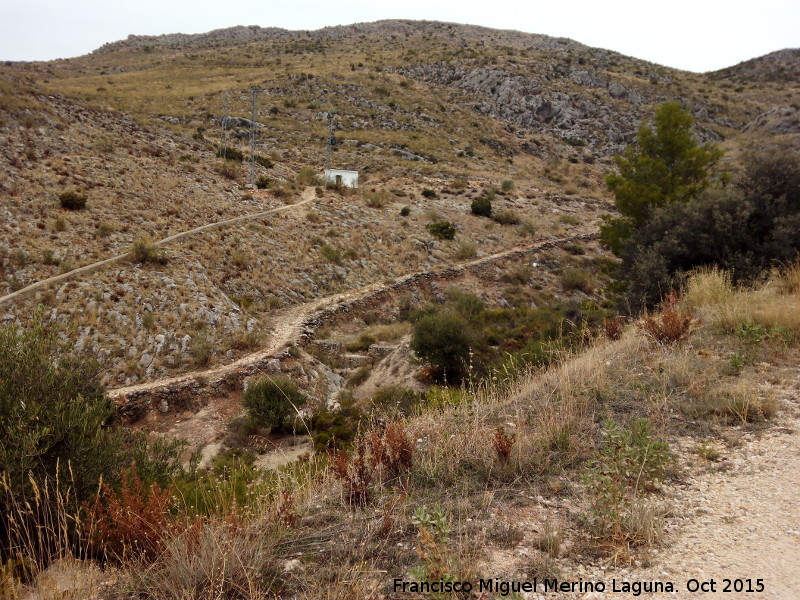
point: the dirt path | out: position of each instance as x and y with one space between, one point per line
307 196
742 522
739 520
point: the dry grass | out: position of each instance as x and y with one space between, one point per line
776 303
740 402
645 523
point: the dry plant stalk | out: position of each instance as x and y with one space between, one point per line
389 454
613 327
673 326
132 522
503 443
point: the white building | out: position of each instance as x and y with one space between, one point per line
341 177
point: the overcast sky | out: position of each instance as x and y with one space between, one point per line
697 35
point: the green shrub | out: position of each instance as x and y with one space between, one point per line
574 249
465 250
331 253
629 463
229 169
263 182
428 193
229 153
568 219
665 167
506 218
361 343
377 199
144 251
72 200
482 207
464 303
307 176
390 399
271 402
359 376
201 349
744 229
335 430
264 161
240 259
576 279
507 185
443 340
443 230
405 211
56 420
52 409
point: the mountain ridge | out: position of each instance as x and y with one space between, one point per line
249 33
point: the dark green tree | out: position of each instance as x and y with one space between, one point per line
665 166
744 228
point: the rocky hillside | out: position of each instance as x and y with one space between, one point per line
433 115
782 66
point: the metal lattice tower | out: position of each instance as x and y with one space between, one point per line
226 100
330 141
251 176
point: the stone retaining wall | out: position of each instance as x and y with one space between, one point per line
195 391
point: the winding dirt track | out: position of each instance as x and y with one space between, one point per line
302 320
307 197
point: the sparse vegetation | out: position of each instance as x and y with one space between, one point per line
229 169
506 217
144 251
230 154
465 250
628 463
538 413
307 176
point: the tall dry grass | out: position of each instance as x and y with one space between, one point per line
775 303
44 535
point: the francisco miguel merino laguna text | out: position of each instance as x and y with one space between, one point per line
504 588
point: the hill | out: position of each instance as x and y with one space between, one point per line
186 276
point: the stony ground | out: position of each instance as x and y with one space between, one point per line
743 520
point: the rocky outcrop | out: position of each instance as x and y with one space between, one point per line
779 121
535 103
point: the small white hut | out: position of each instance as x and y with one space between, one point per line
341 177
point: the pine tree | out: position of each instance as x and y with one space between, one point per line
665 166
